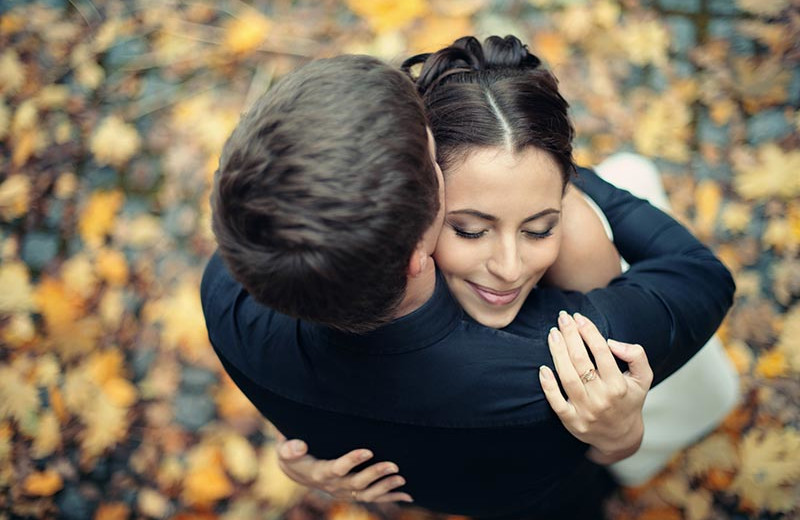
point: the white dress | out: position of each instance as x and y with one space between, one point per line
696 398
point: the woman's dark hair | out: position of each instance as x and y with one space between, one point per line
489 95
324 189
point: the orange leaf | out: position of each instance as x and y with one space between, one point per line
388 15
111 266
112 511
719 480
246 32
114 142
772 364
43 484
121 392
206 484
97 217
708 197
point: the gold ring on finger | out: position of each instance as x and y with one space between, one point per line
589 375
354 494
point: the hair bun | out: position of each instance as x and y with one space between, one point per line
508 52
467 54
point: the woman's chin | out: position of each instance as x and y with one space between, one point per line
492 320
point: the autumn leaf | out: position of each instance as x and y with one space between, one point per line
181 317
111 266
79 276
98 216
16 293
767 8
15 194
240 457
663 129
772 364
789 340
773 174
12 72
19 399
206 481
114 142
387 15
736 216
245 32
715 452
272 484
43 483
708 198
48 435
769 473
436 32
112 511
644 41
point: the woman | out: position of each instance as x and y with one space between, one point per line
504 143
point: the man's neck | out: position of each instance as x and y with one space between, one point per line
418 291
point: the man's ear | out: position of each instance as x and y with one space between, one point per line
418 261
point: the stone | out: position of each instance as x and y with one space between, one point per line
39 248
683 34
683 6
193 411
769 125
709 132
72 505
722 7
196 380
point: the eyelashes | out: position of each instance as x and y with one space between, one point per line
462 233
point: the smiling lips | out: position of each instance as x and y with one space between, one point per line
495 297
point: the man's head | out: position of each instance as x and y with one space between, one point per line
325 189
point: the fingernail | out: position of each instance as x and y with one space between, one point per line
407 498
544 373
399 481
622 347
297 447
364 455
563 317
553 336
390 468
580 319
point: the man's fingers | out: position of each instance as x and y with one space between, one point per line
342 466
636 357
368 476
291 450
380 488
606 365
394 497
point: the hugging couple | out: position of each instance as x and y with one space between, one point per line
412 269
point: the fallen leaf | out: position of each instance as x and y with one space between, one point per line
767 8
769 470
206 481
772 364
239 457
19 399
98 216
773 174
663 129
12 72
16 293
789 340
644 41
114 142
388 15
245 32
272 484
715 452
111 266
15 193
48 435
43 484
708 198
112 511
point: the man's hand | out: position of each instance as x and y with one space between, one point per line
603 407
334 477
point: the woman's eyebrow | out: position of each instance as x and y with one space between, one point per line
492 218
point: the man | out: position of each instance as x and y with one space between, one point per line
327 206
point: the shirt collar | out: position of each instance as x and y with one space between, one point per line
428 324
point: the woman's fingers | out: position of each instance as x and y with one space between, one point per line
575 347
636 357
553 394
606 365
564 366
394 497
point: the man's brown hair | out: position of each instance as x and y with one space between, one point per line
323 191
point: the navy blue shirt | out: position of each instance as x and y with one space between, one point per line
457 405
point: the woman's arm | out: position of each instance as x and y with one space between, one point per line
587 259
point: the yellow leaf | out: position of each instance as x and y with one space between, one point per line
769 469
458 8
708 197
111 266
272 484
79 276
722 110
246 32
115 142
121 392
43 484
736 216
48 435
240 457
768 8
112 308
19 399
388 15
142 232
772 364
19 331
182 322
780 235
206 481
65 186
716 451
52 96
789 340
152 503
437 32
644 41
12 72
16 293
5 119
105 423
552 47
15 193
59 307
664 128
761 84
97 217
774 174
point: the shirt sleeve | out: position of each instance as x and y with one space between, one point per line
676 293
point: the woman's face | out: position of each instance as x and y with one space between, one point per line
501 230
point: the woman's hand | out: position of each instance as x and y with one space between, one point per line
603 406
334 477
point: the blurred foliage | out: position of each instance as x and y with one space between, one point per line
112 116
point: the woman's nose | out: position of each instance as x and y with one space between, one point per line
505 262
